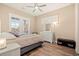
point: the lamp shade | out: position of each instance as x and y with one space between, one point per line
2 43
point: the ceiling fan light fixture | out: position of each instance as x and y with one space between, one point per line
36 7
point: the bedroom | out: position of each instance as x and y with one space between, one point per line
32 26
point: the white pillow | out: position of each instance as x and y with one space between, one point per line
7 35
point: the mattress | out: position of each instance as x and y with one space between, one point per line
26 40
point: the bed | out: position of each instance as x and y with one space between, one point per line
27 42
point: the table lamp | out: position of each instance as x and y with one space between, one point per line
2 43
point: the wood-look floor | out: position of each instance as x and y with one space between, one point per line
49 49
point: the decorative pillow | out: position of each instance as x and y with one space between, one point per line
18 34
15 34
7 35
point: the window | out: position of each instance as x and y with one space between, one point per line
48 23
19 24
15 23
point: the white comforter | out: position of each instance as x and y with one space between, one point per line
26 40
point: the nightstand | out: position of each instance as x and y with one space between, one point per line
12 49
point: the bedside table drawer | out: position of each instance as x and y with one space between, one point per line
12 49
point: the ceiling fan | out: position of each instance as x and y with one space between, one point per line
36 7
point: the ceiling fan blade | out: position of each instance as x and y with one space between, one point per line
40 9
34 10
42 5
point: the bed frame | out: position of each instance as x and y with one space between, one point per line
26 49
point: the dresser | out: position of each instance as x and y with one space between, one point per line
47 36
12 49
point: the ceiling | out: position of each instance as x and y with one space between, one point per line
48 8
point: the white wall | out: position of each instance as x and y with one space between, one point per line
4 17
66 27
0 25
77 27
